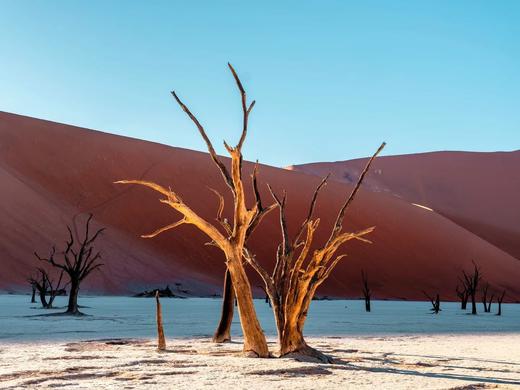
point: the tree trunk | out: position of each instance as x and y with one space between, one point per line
367 304
473 305
464 304
33 296
223 332
254 338
293 344
161 342
43 300
72 307
499 308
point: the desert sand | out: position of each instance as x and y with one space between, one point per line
476 190
397 362
52 173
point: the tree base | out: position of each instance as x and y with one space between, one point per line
305 353
221 339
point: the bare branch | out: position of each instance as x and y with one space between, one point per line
165 228
341 215
222 168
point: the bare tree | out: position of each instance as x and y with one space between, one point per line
223 331
33 294
79 260
436 302
471 282
499 300
230 238
161 342
46 287
485 290
463 295
490 302
298 271
366 290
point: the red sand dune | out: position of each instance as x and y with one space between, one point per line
51 173
478 191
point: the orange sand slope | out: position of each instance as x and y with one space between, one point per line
51 173
478 191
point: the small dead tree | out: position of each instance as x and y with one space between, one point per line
79 260
299 271
228 237
366 290
485 290
46 287
471 282
499 300
161 342
436 303
463 295
33 294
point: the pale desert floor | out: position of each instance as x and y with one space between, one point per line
390 362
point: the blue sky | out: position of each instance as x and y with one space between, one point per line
332 79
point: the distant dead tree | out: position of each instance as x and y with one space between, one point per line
267 300
161 342
46 287
33 294
471 282
79 260
298 271
463 295
485 302
229 237
436 302
499 300
366 290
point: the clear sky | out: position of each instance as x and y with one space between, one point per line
332 79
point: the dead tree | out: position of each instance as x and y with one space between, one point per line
471 283
366 290
436 303
228 237
490 302
266 299
33 294
299 271
463 295
484 297
46 287
79 259
499 300
223 331
161 342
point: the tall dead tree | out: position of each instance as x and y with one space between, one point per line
299 270
46 287
463 295
228 237
436 302
471 282
79 259
223 331
161 342
366 290
499 300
